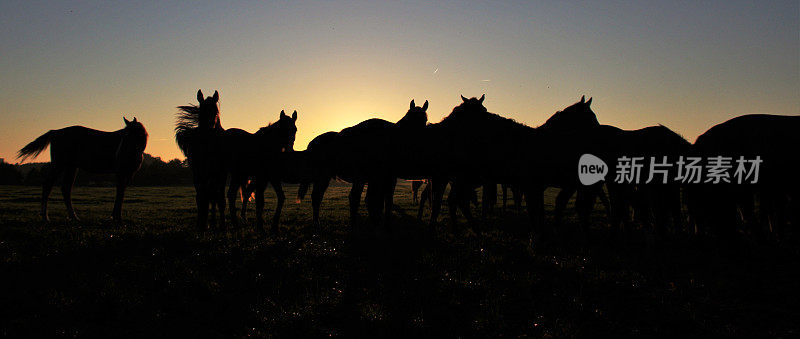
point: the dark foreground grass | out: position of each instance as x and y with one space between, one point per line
156 275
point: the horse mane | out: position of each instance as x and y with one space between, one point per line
462 116
187 121
673 134
266 130
566 119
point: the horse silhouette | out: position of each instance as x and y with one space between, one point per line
77 147
654 204
719 208
258 156
473 141
199 135
361 154
571 121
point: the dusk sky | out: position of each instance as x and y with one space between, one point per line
687 65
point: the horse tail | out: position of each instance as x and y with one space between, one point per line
35 147
182 136
302 190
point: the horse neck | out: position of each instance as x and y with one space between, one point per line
127 144
267 136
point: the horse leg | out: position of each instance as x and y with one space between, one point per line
517 194
219 196
505 196
247 192
320 186
535 202
355 201
463 204
389 200
437 191
233 192
122 182
201 199
276 185
561 204
584 204
489 199
260 187
425 195
374 201
415 192
47 186
212 200
66 191
619 214
452 202
601 194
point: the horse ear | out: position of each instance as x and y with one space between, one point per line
412 104
482 97
283 114
134 119
126 121
463 98
294 115
216 96
583 97
589 102
425 106
199 95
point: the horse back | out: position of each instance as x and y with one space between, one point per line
85 148
773 138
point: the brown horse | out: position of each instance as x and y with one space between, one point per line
199 133
257 156
77 147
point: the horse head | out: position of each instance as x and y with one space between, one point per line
471 105
208 111
576 116
285 129
469 112
134 136
415 117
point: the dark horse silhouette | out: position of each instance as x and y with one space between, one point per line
361 154
654 204
719 208
77 147
473 141
199 133
258 156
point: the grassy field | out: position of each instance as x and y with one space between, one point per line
156 275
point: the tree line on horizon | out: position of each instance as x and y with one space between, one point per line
154 172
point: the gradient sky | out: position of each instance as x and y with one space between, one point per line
688 65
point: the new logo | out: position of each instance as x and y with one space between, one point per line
591 169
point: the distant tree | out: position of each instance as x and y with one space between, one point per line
9 175
34 176
154 172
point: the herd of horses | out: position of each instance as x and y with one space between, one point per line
469 148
